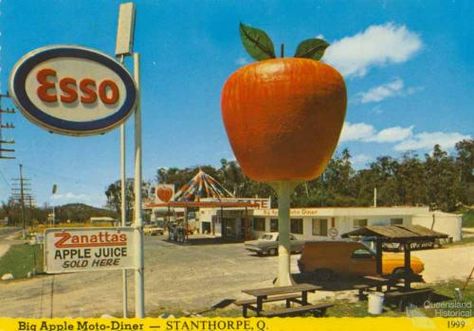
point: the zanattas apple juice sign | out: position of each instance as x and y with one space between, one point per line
72 90
72 250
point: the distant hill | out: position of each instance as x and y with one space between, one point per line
79 212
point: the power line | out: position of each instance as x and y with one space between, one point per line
21 192
4 178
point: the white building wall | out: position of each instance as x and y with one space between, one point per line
344 219
450 224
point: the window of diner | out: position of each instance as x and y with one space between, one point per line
274 225
320 227
259 224
358 223
296 225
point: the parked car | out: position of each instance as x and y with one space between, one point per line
152 230
328 258
268 244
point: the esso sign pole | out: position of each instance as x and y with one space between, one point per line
124 47
79 91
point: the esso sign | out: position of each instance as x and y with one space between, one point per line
73 90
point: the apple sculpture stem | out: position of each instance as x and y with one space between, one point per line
283 117
284 190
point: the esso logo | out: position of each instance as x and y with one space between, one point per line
69 87
73 90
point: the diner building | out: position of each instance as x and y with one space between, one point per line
203 205
321 223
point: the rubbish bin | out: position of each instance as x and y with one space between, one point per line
375 303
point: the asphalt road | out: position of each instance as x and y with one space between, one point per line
189 278
177 277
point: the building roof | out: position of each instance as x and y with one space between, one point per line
203 204
396 233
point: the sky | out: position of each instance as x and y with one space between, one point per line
407 65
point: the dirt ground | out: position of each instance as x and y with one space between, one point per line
441 264
3 249
189 278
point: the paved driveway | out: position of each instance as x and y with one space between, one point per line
191 278
176 278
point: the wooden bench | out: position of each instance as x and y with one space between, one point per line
362 288
247 303
320 309
405 296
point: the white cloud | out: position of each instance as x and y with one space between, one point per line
241 61
392 134
377 110
391 89
378 93
378 45
367 133
361 159
404 138
357 131
71 197
426 141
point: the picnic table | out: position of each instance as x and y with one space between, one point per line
290 294
396 290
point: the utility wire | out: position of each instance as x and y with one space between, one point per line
4 179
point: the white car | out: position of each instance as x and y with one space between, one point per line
268 244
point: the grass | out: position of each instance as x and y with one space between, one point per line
464 241
468 218
447 289
345 308
21 260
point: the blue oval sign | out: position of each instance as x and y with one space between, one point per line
73 90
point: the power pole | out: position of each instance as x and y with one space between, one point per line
5 126
22 192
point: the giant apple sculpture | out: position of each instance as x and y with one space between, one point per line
283 117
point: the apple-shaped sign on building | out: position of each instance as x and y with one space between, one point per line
164 192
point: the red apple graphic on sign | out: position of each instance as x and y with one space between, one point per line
164 193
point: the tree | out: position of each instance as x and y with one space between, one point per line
232 177
410 178
442 180
465 163
114 196
382 175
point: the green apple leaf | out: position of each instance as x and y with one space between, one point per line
311 48
257 43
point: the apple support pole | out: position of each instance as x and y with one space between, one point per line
140 270
284 190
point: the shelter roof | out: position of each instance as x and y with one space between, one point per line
396 233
